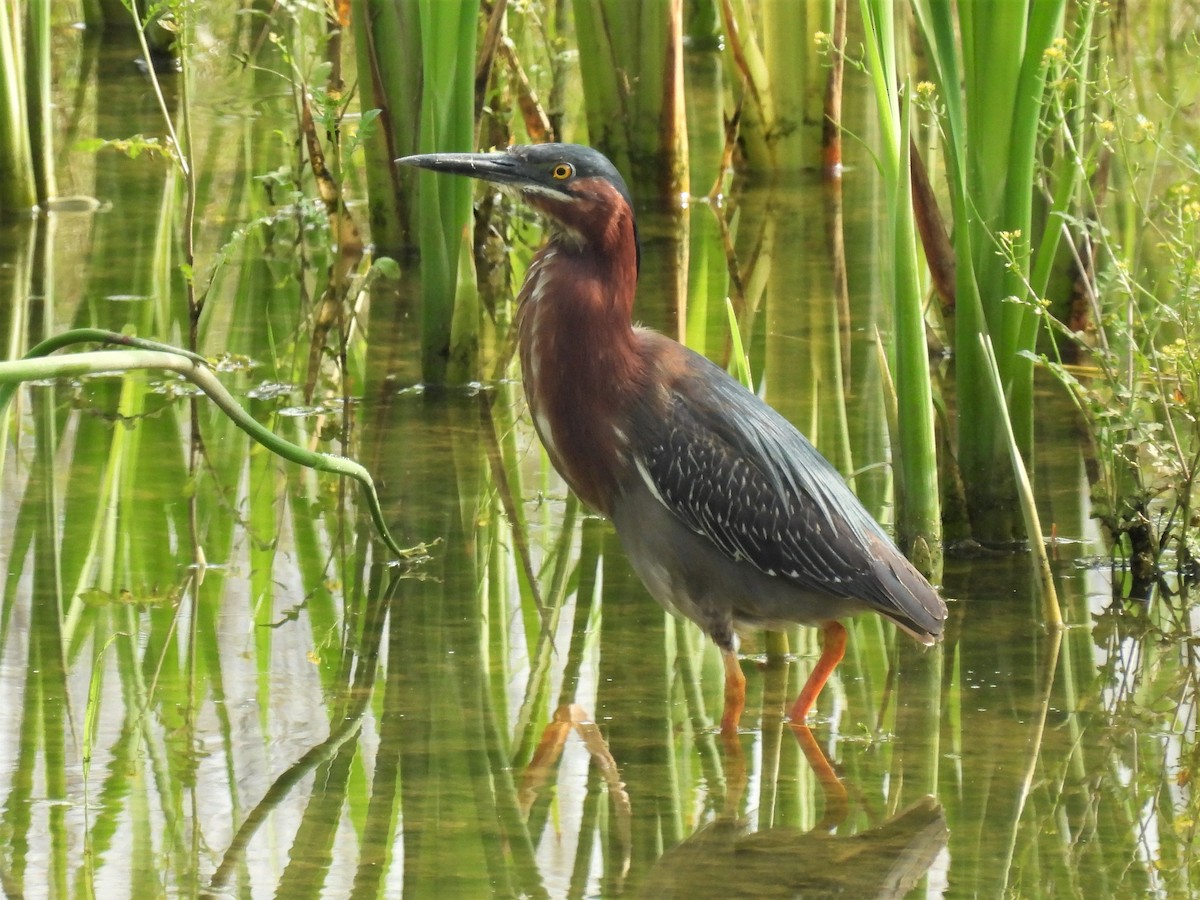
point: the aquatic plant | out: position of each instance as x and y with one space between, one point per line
1124 335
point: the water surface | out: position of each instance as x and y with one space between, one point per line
213 682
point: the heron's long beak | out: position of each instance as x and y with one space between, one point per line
499 168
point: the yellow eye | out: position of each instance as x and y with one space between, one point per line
563 171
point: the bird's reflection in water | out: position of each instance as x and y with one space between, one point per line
723 859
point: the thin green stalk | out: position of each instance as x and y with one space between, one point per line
180 154
1033 524
16 297
918 509
91 714
38 75
1020 323
741 362
1034 744
18 188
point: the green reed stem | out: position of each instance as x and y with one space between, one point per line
989 60
642 128
918 507
1033 523
417 61
18 189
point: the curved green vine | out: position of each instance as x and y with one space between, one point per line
145 354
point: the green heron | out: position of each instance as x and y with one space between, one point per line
727 513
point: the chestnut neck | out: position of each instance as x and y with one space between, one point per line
579 352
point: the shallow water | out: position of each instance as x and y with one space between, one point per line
212 683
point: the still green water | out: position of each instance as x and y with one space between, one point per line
211 682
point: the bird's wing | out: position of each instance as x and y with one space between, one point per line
734 470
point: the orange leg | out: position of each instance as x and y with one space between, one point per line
735 694
546 754
735 702
833 648
836 802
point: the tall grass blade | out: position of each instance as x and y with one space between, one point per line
918 510
1033 525
18 184
996 52
632 74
